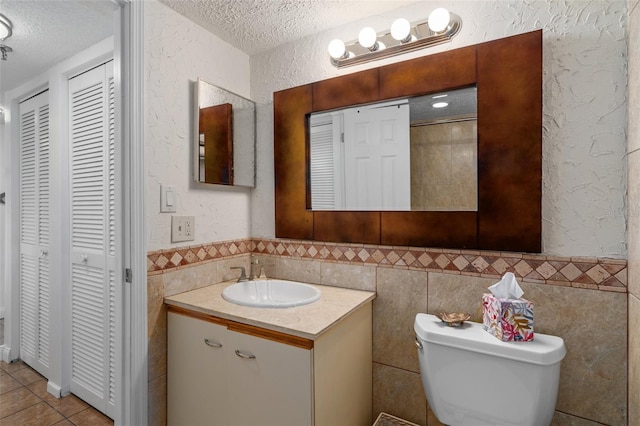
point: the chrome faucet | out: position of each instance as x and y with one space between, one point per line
243 273
254 267
258 267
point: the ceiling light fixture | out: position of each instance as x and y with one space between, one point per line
440 27
6 29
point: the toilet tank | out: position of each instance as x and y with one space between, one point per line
472 378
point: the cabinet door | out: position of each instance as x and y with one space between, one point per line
196 376
272 382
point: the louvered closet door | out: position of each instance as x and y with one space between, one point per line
95 245
34 232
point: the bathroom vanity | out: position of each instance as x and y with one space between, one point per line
236 365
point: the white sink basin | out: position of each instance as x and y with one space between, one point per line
271 293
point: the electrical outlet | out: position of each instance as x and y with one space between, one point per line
183 228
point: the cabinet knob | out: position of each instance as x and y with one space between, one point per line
245 356
212 343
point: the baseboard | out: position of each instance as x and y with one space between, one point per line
5 353
54 389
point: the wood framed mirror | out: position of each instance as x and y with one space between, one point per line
224 137
508 76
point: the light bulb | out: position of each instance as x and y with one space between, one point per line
336 49
367 37
401 30
439 20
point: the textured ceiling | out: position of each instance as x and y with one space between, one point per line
47 32
258 25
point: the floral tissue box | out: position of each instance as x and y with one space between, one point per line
508 319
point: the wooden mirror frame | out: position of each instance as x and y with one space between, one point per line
508 76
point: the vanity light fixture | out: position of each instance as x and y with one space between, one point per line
440 27
6 29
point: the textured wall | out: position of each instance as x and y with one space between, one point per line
585 108
633 236
177 53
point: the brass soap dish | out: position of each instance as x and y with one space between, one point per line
455 319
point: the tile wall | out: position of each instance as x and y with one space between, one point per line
583 300
444 166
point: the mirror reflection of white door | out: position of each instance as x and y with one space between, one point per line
377 165
327 164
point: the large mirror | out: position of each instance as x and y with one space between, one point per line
508 76
224 130
417 153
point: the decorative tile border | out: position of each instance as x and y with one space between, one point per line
162 260
581 272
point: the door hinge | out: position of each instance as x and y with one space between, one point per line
128 275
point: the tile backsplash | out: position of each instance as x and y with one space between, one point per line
571 294
592 273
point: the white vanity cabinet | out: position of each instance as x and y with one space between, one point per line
223 372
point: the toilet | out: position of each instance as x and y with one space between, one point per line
472 378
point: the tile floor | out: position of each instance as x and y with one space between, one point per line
24 401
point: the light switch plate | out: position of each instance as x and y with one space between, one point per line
168 199
183 228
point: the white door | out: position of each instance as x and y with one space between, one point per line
96 254
34 232
377 164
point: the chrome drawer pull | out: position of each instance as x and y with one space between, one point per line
212 343
243 355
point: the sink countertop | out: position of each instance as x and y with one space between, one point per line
307 321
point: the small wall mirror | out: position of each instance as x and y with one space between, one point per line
225 135
418 153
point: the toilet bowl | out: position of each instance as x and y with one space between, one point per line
472 378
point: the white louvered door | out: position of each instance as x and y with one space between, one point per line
326 161
95 241
34 232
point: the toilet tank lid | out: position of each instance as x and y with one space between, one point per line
543 350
